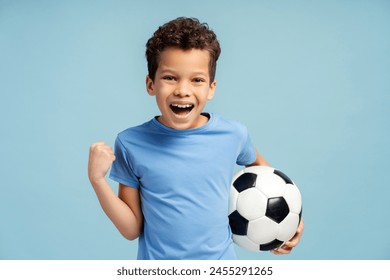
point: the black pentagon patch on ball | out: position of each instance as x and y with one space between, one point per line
271 245
245 181
277 209
238 223
283 176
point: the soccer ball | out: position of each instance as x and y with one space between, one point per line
265 208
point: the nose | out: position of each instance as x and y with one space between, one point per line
183 89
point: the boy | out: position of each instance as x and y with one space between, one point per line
174 171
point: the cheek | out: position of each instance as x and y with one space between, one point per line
164 90
160 99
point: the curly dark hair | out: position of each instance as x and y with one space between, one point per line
184 33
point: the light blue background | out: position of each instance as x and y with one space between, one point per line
310 79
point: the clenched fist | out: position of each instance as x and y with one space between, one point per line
101 157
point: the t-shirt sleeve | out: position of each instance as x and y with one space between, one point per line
247 153
122 170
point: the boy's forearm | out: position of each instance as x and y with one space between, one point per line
118 211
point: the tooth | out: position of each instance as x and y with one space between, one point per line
182 106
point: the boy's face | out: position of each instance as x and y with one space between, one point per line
182 87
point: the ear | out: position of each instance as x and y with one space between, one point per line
149 86
213 87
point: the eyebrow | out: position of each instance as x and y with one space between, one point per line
170 70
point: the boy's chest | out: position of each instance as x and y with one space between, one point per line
185 164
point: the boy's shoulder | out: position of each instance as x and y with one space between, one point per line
229 123
135 130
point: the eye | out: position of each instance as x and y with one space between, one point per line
199 80
169 78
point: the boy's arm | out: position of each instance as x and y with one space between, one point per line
259 160
289 245
123 210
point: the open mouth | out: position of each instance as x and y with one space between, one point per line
181 109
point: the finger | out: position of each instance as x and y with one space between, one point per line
110 153
282 250
97 144
101 146
276 252
301 226
294 241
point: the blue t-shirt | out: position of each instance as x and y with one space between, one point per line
184 178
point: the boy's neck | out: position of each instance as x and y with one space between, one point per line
205 119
